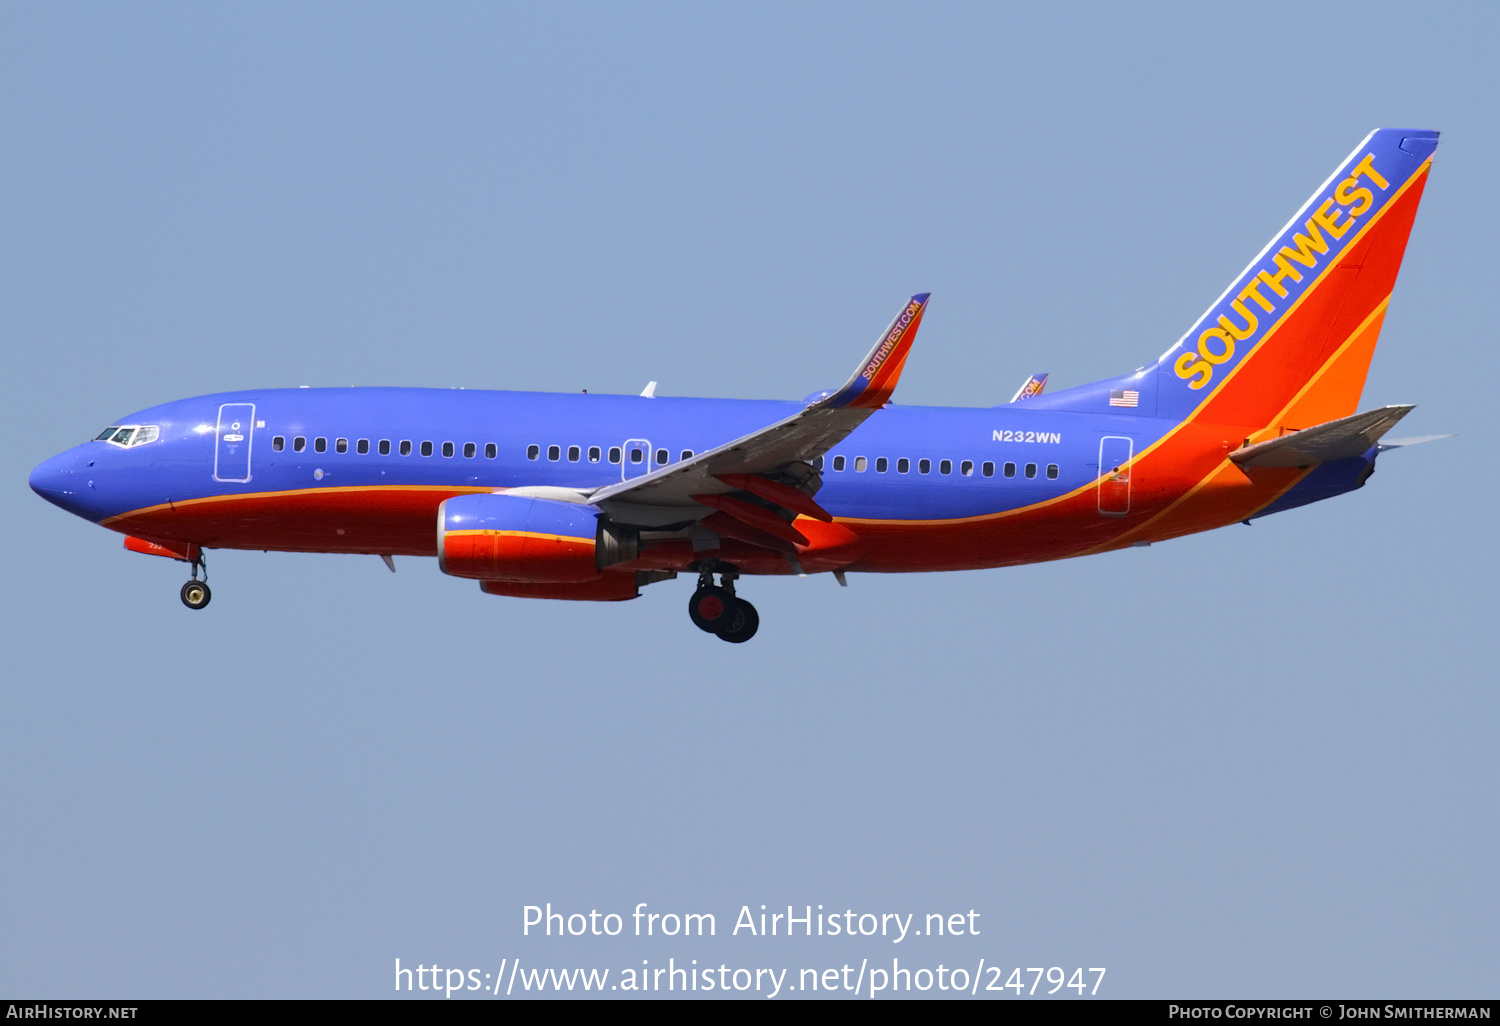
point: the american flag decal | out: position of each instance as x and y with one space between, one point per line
1124 397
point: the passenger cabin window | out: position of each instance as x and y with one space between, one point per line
405 447
299 443
469 450
320 445
966 468
1010 470
882 465
385 447
426 448
614 454
817 463
362 447
924 466
988 469
554 453
490 451
448 450
533 451
341 445
636 455
663 457
945 467
1052 472
595 454
1031 470
838 463
574 454
278 443
903 466
859 464
687 454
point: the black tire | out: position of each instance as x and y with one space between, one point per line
746 623
195 594
711 609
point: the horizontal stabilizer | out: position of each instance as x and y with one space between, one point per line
1335 440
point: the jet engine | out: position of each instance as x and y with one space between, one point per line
516 539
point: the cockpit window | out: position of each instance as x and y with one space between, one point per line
129 435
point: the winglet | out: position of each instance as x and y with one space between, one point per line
1033 386
872 384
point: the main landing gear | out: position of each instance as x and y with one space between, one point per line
195 593
715 609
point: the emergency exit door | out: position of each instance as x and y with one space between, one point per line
636 461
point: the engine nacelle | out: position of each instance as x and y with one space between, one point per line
499 537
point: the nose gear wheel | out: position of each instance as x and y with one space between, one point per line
195 594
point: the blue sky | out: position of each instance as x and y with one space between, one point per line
1256 762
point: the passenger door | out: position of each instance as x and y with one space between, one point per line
236 430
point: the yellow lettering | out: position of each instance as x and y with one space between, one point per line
1208 354
1240 334
1329 220
1188 365
1347 194
1307 248
1284 270
1366 167
1252 291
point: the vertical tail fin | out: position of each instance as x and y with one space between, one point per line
1290 341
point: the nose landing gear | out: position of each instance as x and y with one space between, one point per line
195 593
716 610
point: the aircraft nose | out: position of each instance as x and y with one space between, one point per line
61 482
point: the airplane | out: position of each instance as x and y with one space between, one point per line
592 497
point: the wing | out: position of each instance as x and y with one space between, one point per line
778 456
